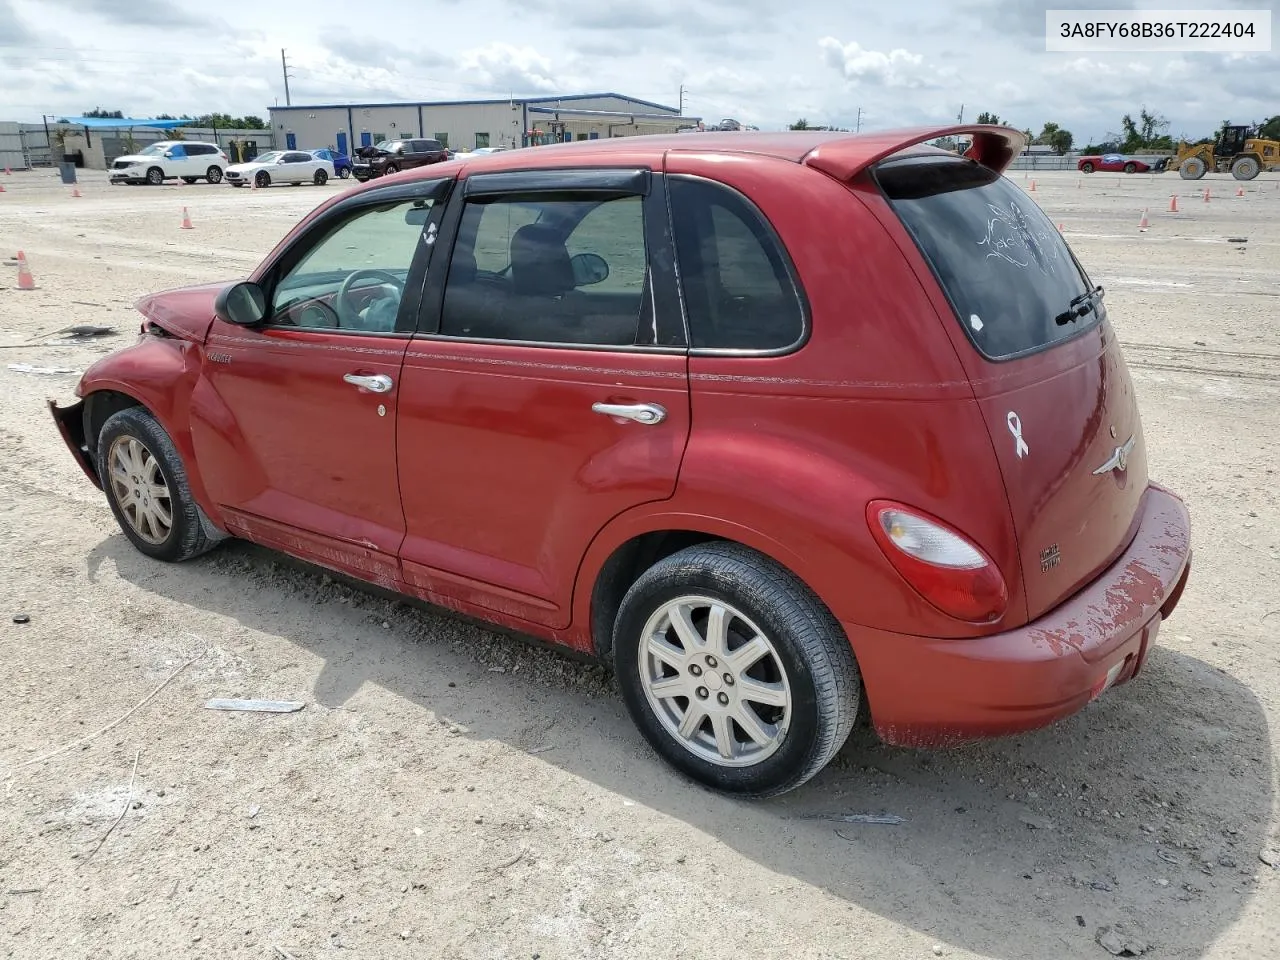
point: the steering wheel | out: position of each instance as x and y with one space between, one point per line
346 315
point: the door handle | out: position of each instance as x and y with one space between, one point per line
646 413
379 383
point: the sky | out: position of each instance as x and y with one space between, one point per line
763 62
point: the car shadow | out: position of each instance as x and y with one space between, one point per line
1147 811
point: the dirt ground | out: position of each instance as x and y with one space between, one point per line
450 792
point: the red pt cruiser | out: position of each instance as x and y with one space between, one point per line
781 426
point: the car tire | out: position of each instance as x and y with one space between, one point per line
1245 168
1086 167
262 178
155 177
139 451
344 173
804 672
1130 168
389 169
213 175
321 178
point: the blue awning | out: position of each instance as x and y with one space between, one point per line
122 123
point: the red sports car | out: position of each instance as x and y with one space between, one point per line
1116 163
744 418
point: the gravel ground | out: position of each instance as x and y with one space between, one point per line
452 792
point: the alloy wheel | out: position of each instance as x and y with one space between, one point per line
140 490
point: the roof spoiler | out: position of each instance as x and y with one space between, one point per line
991 146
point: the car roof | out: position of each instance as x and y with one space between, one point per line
839 154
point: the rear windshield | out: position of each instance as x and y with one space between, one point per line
1001 262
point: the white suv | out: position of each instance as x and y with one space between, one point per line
188 160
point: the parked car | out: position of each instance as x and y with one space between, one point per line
341 162
392 156
281 166
187 160
1115 163
676 448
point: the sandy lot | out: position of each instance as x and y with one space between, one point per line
449 792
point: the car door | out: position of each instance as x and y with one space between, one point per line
176 163
545 393
294 420
297 167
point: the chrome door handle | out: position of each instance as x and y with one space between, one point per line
379 383
646 413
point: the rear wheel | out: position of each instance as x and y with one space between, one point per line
344 173
321 178
155 176
263 179
147 489
213 174
733 671
1086 167
1245 168
1192 168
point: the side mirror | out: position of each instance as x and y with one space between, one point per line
588 268
281 160
244 304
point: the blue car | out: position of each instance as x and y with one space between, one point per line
341 162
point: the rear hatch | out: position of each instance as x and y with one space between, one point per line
1046 370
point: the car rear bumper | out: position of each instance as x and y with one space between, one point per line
933 693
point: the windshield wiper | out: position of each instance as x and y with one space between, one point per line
1079 306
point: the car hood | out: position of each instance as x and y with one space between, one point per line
250 167
186 312
138 158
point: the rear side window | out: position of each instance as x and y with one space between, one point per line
429 146
738 287
1001 262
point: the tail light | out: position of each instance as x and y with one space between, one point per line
942 565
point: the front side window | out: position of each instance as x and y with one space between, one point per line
552 271
353 278
271 156
738 288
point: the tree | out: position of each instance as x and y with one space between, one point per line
801 124
1270 129
1054 136
990 118
105 114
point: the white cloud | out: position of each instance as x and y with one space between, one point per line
897 68
504 66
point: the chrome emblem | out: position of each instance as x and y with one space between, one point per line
1118 461
219 358
1050 557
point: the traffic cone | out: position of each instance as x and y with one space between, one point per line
8 172
1239 191
186 220
1033 186
2 190
1206 194
25 280
75 193
1060 228
1173 203
1144 222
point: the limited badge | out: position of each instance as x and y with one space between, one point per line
1015 427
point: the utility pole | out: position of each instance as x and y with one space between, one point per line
857 128
960 118
682 99
284 65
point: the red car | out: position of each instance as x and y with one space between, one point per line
783 427
1115 163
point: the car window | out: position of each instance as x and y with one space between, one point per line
552 271
370 252
299 158
1002 263
739 291
271 156
432 146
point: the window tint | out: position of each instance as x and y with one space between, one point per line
370 252
1000 260
548 270
738 288
431 146
298 158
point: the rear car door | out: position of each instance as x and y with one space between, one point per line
294 421
547 390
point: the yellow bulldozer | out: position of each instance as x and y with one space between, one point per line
1236 149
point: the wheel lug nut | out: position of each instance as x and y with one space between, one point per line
695 670
723 698
728 679
702 693
711 662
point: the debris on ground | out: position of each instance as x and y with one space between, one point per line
887 818
1032 822
256 706
21 618
1120 944
28 368
1270 857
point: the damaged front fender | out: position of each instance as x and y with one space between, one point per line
70 421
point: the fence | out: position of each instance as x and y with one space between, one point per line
24 145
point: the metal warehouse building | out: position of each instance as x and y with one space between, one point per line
470 124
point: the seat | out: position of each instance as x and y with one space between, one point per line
540 264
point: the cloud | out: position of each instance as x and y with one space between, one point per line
142 13
14 31
363 50
897 68
503 66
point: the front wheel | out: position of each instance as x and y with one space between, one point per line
155 176
263 179
147 489
213 174
1086 167
734 671
1192 168
1130 168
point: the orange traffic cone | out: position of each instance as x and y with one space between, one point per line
1060 228
1173 203
1206 194
25 280
186 220
75 193
1144 222
1033 186
2 190
1239 191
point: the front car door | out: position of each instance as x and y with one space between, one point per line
294 420
548 392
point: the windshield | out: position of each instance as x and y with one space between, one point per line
270 157
1002 263
387 145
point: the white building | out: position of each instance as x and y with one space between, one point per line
469 124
